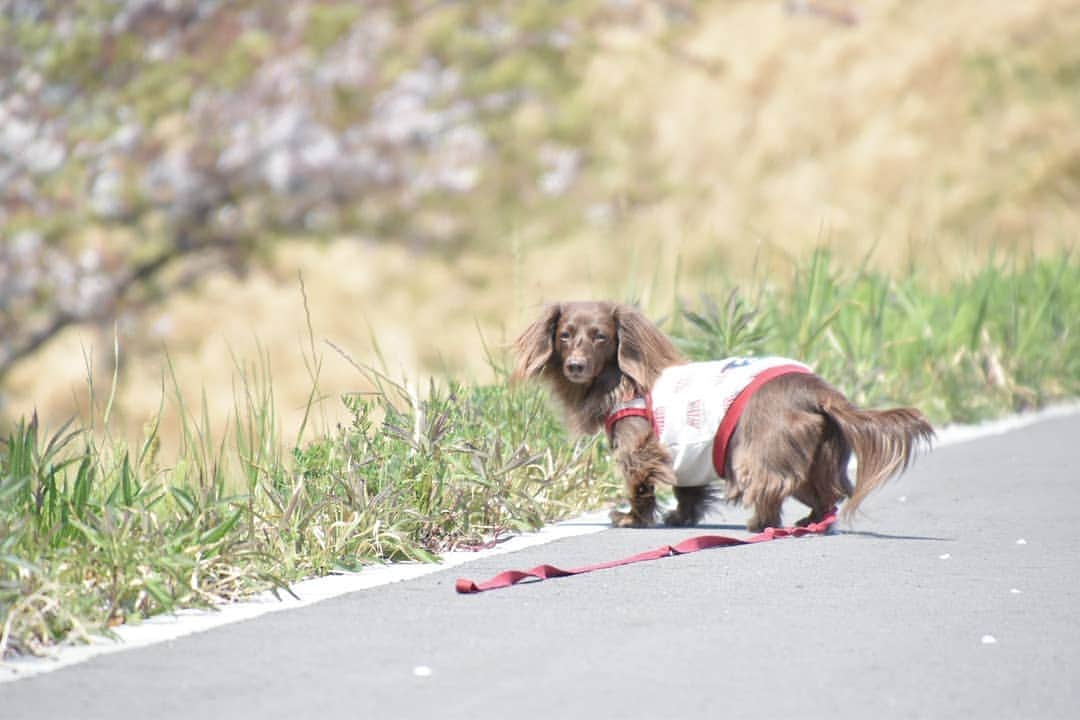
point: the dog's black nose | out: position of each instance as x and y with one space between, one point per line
575 367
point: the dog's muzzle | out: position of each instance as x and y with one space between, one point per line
576 370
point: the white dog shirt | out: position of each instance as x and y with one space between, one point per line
694 409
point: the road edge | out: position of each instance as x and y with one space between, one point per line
164 628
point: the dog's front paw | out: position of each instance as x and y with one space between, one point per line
674 518
626 520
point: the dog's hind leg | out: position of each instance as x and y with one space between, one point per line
827 480
756 484
771 456
767 503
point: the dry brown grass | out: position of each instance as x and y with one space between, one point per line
933 133
896 130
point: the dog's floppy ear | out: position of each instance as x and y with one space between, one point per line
644 351
535 345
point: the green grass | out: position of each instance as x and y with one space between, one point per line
94 533
1004 340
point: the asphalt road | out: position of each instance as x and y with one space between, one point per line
955 595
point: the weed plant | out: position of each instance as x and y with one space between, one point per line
94 533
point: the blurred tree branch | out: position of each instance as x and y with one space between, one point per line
136 135
22 339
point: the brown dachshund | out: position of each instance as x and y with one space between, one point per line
768 426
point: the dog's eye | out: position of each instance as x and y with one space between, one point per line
564 336
600 337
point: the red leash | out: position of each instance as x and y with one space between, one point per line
702 542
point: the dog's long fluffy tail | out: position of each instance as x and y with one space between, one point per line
884 442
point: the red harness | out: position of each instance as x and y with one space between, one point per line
703 542
643 407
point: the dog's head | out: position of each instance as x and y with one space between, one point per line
578 342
